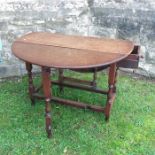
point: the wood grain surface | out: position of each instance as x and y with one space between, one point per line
67 51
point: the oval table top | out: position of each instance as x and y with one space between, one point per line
68 51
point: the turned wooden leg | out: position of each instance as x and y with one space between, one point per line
47 93
31 86
60 79
94 84
111 91
116 73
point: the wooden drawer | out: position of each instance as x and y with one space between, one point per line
132 60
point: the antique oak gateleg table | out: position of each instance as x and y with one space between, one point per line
49 50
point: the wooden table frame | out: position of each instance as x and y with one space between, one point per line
77 53
48 97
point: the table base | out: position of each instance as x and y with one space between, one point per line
48 97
